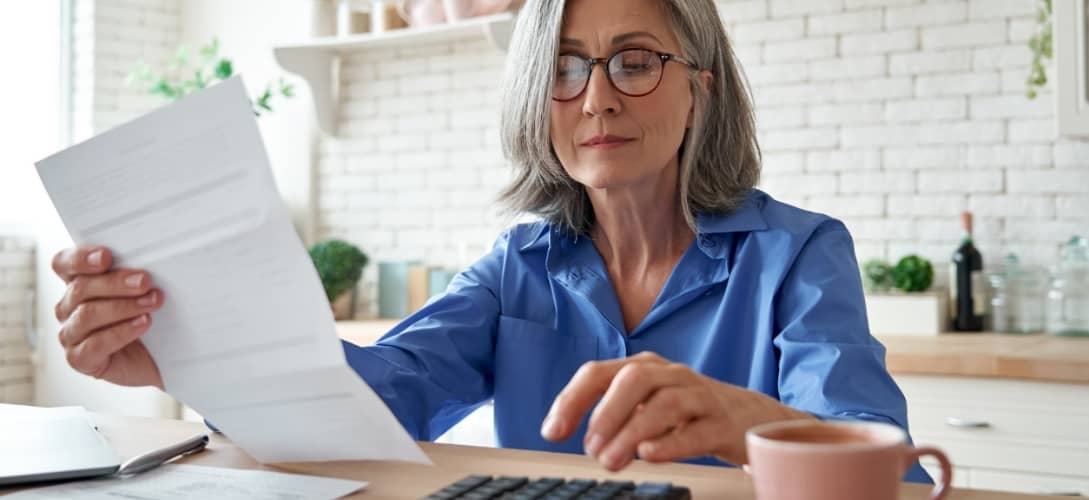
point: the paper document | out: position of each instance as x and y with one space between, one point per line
183 482
246 336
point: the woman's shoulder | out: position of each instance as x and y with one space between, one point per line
763 216
796 220
527 236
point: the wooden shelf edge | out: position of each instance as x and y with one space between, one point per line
316 61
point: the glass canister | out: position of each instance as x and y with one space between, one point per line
1000 315
1030 293
1016 297
1068 298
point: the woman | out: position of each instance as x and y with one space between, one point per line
659 285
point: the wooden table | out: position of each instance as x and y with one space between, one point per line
394 480
1044 358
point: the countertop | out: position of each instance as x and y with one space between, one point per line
1041 358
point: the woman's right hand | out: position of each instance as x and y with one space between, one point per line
103 314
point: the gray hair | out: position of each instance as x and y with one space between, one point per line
719 157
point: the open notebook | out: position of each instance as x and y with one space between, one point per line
48 444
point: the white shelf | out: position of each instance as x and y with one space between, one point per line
316 59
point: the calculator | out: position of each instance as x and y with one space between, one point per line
548 488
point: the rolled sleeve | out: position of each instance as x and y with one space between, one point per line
829 364
436 366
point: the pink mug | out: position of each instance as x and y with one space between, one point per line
814 460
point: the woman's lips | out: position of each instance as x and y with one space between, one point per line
606 142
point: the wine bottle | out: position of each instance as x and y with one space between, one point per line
967 304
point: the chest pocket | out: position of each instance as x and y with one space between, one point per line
533 362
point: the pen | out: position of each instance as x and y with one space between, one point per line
152 459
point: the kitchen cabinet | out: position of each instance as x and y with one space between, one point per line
1004 434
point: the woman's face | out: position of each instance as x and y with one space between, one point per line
604 138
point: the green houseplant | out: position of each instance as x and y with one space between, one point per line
340 265
1041 46
910 274
185 74
897 297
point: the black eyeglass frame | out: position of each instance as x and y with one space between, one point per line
604 61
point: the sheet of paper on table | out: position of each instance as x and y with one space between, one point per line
246 336
183 482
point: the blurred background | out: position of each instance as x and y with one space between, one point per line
380 119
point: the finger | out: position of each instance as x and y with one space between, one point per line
634 384
92 356
72 262
694 439
587 385
96 314
667 409
113 284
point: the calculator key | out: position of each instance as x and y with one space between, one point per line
653 490
472 481
509 483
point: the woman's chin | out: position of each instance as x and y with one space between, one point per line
609 180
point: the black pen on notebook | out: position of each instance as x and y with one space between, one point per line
155 458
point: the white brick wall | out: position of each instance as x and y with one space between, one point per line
109 37
16 283
417 164
927 99
892 114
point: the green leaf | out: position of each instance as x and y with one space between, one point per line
877 275
210 51
163 88
287 89
913 274
224 69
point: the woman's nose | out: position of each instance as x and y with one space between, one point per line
600 96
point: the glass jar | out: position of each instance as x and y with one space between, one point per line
1016 297
999 313
1068 298
1030 296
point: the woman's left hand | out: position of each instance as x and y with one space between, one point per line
660 410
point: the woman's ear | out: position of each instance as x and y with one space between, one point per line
706 78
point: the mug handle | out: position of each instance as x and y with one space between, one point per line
945 484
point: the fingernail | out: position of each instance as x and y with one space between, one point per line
551 428
140 320
610 459
135 280
593 444
146 300
95 258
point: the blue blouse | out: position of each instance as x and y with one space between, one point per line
768 297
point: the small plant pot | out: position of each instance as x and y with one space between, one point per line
916 313
344 305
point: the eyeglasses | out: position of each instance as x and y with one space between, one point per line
632 72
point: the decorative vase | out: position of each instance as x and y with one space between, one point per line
422 12
344 305
916 313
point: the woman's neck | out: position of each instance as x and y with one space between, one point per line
641 226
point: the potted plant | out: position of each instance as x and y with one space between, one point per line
183 76
339 265
898 301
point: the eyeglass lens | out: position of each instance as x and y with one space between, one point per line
634 72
